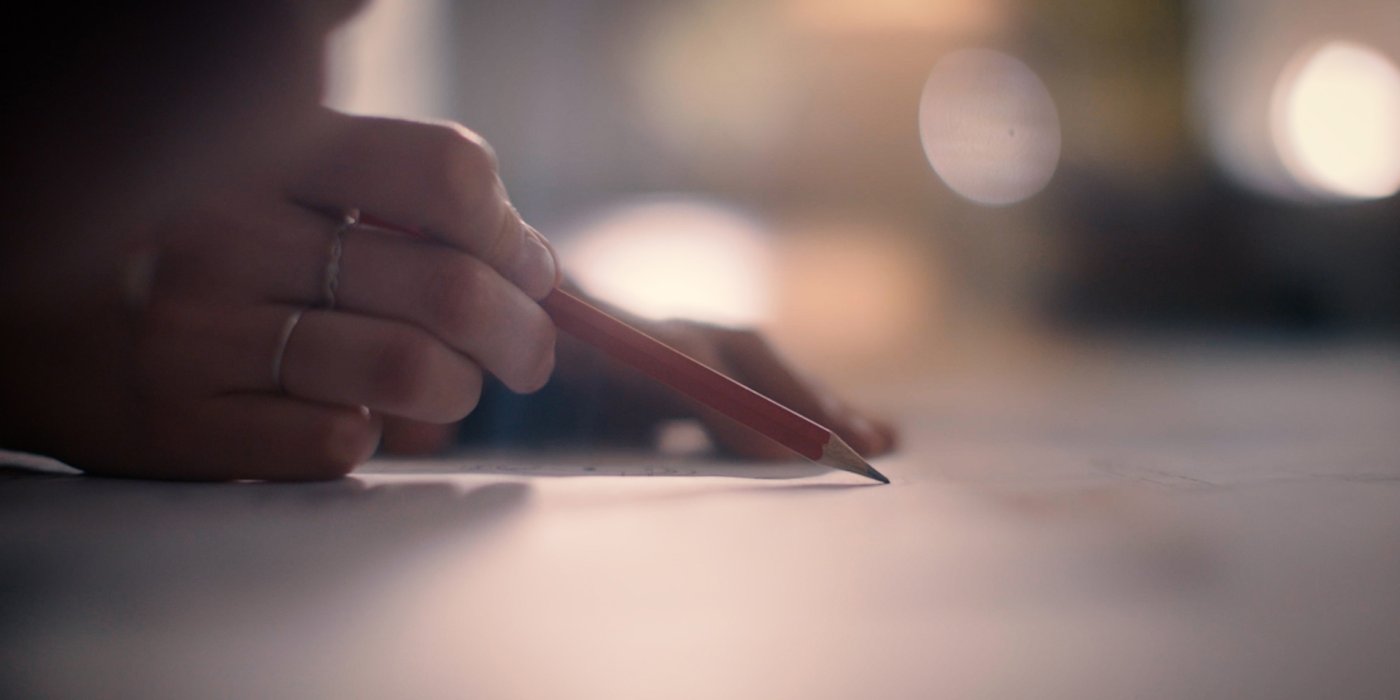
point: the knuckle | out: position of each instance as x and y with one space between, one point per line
464 172
453 295
477 148
416 377
401 375
461 143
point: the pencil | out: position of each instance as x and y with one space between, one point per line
687 375
683 373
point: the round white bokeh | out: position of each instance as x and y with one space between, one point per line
674 257
1336 121
989 127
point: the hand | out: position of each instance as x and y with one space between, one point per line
632 405
185 385
746 356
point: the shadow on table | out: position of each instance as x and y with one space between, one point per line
114 562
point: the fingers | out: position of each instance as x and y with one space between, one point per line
390 367
282 256
267 437
240 253
440 178
408 437
454 296
758 365
198 349
250 437
747 357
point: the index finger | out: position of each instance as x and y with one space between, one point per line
438 178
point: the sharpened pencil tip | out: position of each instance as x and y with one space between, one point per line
838 454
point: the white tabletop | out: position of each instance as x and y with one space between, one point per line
1166 524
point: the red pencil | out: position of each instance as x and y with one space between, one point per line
679 371
683 373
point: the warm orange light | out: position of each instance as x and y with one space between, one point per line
854 295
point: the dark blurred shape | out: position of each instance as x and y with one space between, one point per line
1155 233
1201 251
133 104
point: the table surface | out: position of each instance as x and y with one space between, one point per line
1113 522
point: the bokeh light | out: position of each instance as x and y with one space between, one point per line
989 127
855 294
673 257
716 82
955 17
1336 121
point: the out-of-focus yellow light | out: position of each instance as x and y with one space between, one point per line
901 16
1336 121
989 127
674 257
716 83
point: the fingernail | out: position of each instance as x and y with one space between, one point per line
542 258
553 256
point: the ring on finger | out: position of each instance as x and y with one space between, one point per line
283 338
330 281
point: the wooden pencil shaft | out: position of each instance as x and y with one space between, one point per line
671 367
686 375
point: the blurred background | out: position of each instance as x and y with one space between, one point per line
893 182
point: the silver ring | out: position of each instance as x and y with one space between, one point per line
287 327
330 282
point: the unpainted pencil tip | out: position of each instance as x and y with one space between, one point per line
836 453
